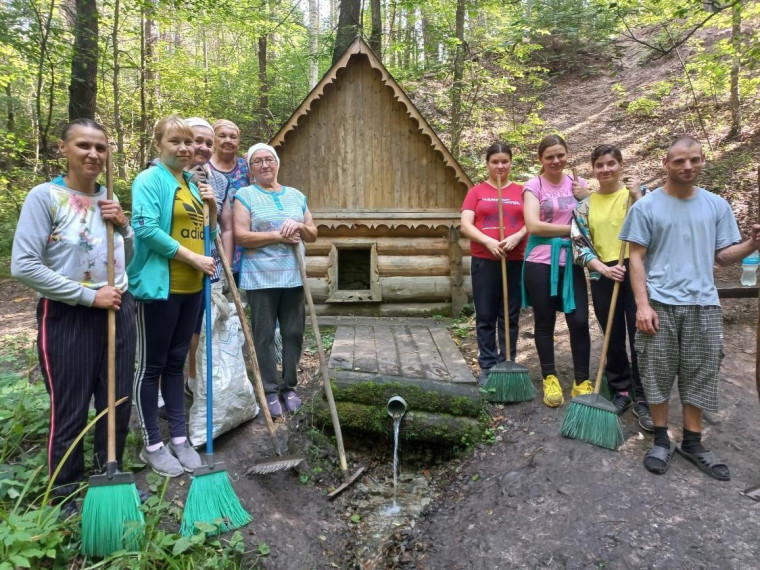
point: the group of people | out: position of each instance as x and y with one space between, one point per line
60 250
667 311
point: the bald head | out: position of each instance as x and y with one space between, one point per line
684 142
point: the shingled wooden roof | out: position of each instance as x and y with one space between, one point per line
430 171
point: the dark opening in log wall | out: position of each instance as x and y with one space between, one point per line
354 269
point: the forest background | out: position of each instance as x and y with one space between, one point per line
479 70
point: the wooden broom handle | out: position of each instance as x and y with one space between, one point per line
505 296
611 314
258 386
757 346
323 364
111 348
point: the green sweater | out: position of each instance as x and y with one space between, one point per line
152 213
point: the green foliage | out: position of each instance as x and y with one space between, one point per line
643 107
32 535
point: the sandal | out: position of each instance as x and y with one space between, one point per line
707 463
657 459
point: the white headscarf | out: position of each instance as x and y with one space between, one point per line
262 146
198 122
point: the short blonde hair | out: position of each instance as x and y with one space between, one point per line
225 123
169 123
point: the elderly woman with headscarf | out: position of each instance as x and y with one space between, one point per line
271 221
203 144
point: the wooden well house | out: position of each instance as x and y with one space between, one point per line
384 191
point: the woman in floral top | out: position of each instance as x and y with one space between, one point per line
60 251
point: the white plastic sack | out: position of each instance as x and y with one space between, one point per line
234 400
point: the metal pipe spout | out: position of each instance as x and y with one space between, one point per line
396 407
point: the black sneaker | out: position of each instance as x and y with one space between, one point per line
621 402
68 510
483 377
641 411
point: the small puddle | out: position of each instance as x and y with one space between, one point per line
386 505
383 510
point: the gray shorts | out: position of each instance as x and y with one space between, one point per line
688 344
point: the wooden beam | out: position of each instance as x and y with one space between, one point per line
385 245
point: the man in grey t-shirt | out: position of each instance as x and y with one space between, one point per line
676 234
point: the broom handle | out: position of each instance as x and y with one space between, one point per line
323 365
253 361
209 351
505 297
757 347
611 314
111 354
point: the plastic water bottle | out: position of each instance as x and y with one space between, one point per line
749 269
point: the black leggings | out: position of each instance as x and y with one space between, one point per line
545 307
488 299
164 329
621 375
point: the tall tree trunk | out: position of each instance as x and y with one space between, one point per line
375 36
117 126
83 88
43 123
735 103
149 83
349 26
429 47
456 88
10 117
392 30
263 85
313 43
333 11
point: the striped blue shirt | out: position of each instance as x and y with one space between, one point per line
274 265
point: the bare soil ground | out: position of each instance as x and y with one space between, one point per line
530 498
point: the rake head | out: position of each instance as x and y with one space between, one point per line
279 463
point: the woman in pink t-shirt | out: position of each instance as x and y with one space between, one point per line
480 223
551 282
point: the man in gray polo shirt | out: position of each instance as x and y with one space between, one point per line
676 234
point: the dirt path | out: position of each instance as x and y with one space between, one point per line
535 499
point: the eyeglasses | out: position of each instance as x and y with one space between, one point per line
269 161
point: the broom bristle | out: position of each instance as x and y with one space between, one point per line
111 520
212 499
593 424
508 382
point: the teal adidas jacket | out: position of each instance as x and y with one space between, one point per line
152 212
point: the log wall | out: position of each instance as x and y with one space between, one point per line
414 268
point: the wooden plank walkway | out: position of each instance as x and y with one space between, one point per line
399 350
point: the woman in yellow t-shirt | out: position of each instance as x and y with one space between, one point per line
166 278
597 221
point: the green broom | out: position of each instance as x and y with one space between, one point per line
591 417
111 518
211 498
507 381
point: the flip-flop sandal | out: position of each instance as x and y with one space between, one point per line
662 455
706 462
